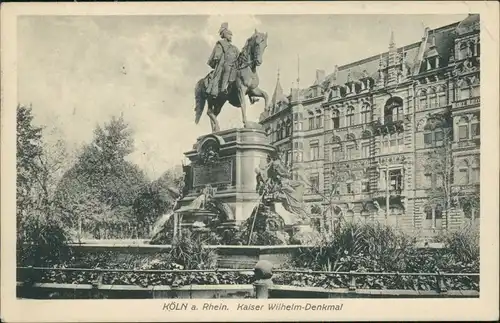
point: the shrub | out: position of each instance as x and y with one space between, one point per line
463 244
188 251
41 240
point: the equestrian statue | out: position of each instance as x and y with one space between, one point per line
234 76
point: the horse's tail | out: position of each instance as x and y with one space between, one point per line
200 99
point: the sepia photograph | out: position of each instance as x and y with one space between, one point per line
239 157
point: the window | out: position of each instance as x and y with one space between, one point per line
428 138
433 101
365 186
464 93
278 132
433 214
319 122
297 156
438 212
438 137
428 212
314 151
393 110
365 113
311 123
442 100
288 156
463 176
475 127
430 180
336 154
283 131
348 187
395 180
335 119
348 152
463 133
288 128
314 181
350 117
475 174
422 101
300 126
434 138
385 144
295 125
365 117
365 150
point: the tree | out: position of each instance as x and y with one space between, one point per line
100 189
40 234
31 191
439 167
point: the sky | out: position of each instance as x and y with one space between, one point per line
78 71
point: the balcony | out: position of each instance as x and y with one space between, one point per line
351 197
470 143
466 103
396 196
392 192
465 189
388 124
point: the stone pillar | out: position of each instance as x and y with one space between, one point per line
263 272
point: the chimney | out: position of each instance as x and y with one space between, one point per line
335 72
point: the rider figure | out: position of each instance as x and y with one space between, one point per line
222 60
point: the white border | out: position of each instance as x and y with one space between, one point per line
486 307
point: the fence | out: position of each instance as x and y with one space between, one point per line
260 286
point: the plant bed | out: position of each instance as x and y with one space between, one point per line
378 282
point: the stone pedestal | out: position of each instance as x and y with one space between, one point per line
226 161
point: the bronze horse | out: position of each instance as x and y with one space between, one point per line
245 82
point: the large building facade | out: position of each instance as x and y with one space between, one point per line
393 137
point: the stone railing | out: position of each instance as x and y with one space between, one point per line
466 102
262 286
469 143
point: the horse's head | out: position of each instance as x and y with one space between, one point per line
258 43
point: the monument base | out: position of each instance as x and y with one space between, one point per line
224 165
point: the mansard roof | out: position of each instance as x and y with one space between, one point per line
469 24
443 45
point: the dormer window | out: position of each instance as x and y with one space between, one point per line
432 63
342 91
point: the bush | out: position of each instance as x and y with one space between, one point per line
189 252
463 244
41 240
379 248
